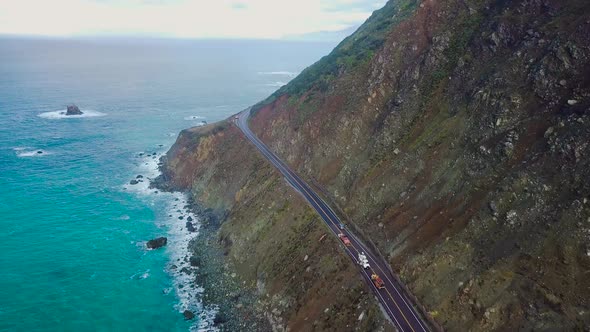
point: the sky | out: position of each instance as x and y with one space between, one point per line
235 19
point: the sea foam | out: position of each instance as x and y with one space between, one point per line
280 73
34 153
276 84
188 293
193 117
56 115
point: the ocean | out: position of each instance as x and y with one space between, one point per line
72 227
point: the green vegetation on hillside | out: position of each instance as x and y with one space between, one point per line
355 49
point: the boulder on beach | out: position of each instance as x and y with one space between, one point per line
133 182
190 227
157 243
219 319
195 261
73 110
188 315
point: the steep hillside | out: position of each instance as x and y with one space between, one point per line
461 149
263 255
455 136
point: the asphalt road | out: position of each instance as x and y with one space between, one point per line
392 298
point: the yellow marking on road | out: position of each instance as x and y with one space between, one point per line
388 293
400 310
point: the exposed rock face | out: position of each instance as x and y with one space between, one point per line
459 146
73 110
264 247
157 243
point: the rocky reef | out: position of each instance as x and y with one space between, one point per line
454 136
156 243
73 110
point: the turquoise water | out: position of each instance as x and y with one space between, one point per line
72 230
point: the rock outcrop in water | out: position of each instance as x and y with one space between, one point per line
73 110
157 243
188 315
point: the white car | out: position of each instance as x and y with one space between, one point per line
363 261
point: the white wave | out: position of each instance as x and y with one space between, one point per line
179 238
54 115
141 275
188 293
206 321
194 117
35 153
281 73
21 148
276 84
147 167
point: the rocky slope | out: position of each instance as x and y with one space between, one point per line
265 259
454 135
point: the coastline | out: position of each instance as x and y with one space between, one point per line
176 214
263 256
218 286
81 167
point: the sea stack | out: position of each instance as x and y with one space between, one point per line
157 243
73 110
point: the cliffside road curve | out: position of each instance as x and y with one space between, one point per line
392 297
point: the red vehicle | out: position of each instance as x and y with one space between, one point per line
344 239
377 281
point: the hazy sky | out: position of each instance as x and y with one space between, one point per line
182 18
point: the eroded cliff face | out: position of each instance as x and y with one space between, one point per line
461 149
275 249
459 145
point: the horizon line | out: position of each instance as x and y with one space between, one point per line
151 37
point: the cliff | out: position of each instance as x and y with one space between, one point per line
454 135
271 244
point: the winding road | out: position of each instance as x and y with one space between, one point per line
392 297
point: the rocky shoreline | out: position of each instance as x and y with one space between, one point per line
222 289
262 254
